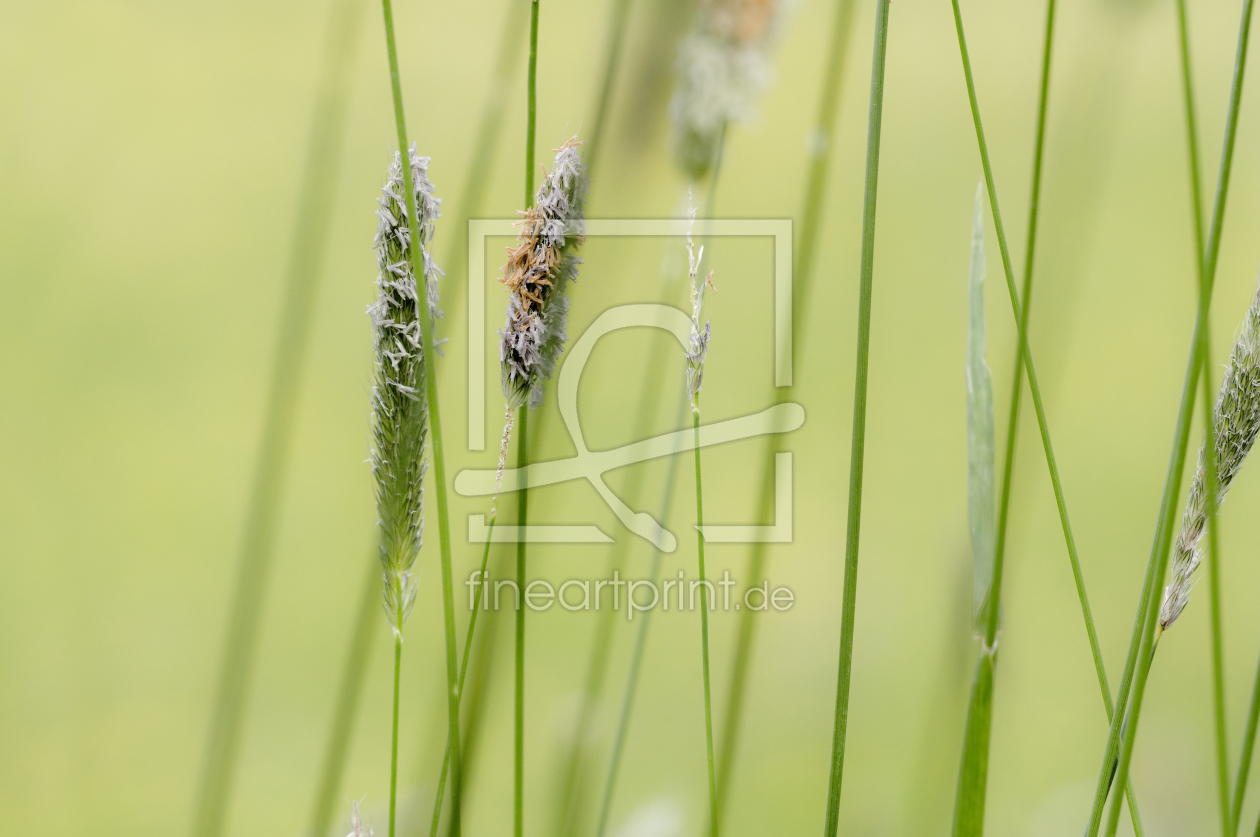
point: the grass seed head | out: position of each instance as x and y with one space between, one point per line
722 66
1236 422
699 336
399 403
538 270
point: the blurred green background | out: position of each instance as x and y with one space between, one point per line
150 155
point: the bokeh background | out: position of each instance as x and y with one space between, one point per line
150 156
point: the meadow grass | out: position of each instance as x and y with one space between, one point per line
848 605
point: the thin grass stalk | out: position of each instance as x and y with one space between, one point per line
597 666
640 645
704 630
1148 611
522 510
463 671
1248 747
1228 819
858 448
262 514
435 431
341 729
992 613
811 216
393 750
522 495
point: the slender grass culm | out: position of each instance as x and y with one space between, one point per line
695 380
314 217
399 400
820 152
522 459
1117 755
421 265
848 606
536 275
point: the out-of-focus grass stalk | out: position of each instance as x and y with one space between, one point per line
339 733
969 818
438 452
489 128
258 544
820 145
612 63
704 628
463 670
1148 610
522 460
858 448
1244 760
1228 820
640 640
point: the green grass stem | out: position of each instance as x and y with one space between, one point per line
314 217
704 628
340 731
1248 747
858 448
1144 633
393 749
1228 819
463 671
435 431
522 495
811 217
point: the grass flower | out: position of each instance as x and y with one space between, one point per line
722 66
538 270
399 404
1236 421
699 336
357 828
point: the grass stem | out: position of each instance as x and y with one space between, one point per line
463 671
522 496
435 425
393 750
858 447
1228 821
522 509
704 629
1148 611
314 218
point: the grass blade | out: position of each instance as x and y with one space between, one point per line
981 505
858 449
973 774
258 544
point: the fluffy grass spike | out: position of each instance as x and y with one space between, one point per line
1236 421
537 273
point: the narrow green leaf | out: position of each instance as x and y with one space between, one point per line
980 492
974 772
